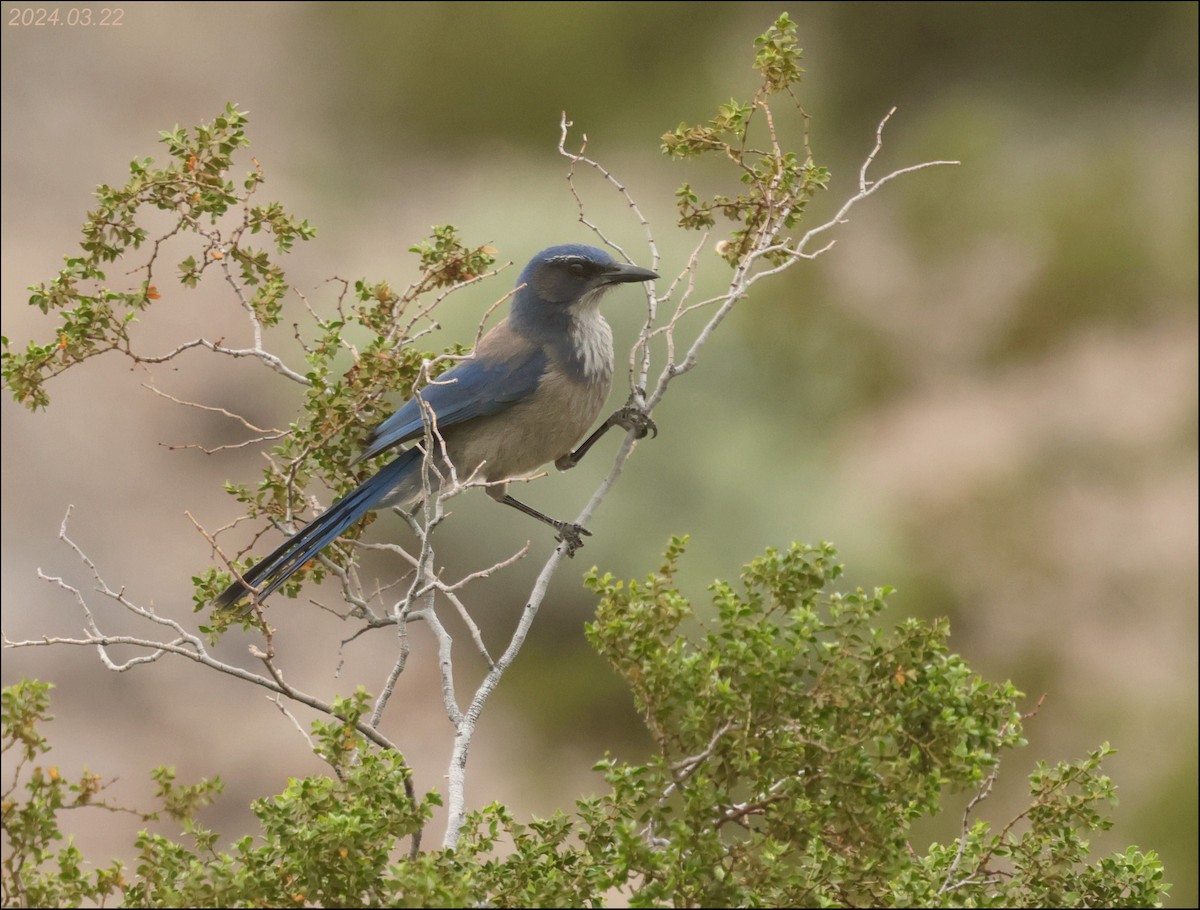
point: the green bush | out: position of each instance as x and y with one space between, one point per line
798 742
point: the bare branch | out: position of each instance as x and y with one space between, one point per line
271 360
466 728
184 644
564 127
277 701
445 663
264 434
483 573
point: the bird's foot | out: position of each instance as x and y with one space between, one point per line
633 419
571 535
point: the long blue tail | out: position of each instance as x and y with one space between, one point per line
267 576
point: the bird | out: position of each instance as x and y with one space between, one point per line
534 385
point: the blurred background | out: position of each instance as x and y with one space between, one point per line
985 394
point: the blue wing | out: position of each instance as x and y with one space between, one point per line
476 388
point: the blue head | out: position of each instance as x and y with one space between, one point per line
561 276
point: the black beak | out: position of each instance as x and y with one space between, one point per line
624 272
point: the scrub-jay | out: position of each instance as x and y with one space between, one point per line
533 387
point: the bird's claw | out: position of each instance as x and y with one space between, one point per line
571 536
634 420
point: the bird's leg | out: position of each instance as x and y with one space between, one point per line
569 533
631 418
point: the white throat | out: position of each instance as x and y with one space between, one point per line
591 337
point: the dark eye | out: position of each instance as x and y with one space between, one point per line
577 269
